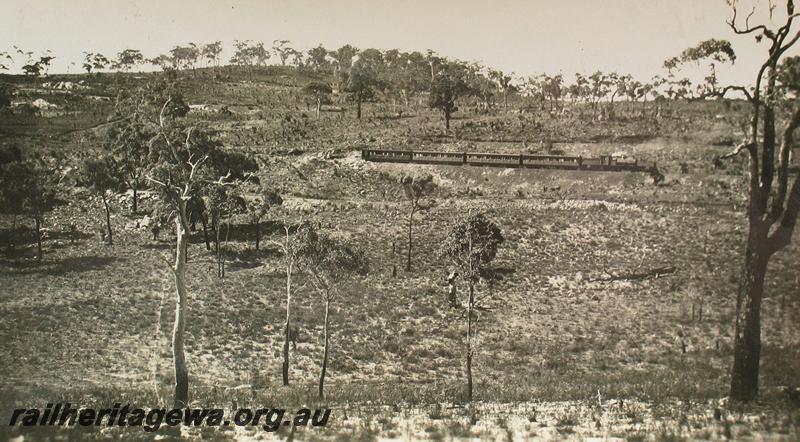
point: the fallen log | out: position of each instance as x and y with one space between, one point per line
637 276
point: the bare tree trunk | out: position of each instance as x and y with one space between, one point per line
410 223
747 343
37 219
178 355
108 220
469 339
204 221
394 260
288 323
319 106
358 107
215 225
258 234
219 250
325 349
447 120
225 247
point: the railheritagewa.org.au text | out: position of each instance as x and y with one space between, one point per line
269 419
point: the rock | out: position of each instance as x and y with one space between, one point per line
41 103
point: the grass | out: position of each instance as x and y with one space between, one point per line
90 324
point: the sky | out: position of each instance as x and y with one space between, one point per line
524 37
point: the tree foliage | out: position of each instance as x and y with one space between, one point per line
446 88
328 261
717 50
472 244
415 189
128 59
94 61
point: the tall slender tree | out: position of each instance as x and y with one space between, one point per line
183 157
291 248
99 175
329 263
415 189
774 201
471 245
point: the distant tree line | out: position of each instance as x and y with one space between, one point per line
406 78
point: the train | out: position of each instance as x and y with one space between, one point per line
601 163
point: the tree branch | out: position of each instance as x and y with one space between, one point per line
721 93
172 191
750 147
747 29
782 236
634 276
783 164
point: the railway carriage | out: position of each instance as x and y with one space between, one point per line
601 163
431 157
550 162
489 159
391 156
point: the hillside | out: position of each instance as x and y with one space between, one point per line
567 319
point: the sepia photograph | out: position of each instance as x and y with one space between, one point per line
355 220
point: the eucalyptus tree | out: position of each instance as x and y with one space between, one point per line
415 188
292 248
621 83
447 87
129 58
579 90
258 207
599 87
98 174
406 74
434 62
128 143
774 200
319 92
211 52
343 57
712 51
283 50
553 89
27 188
222 202
185 158
470 246
329 263
361 83
249 54
504 82
317 58
94 61
185 56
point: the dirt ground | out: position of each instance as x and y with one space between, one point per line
567 346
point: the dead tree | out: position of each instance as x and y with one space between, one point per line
774 202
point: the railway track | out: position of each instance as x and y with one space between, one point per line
606 163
